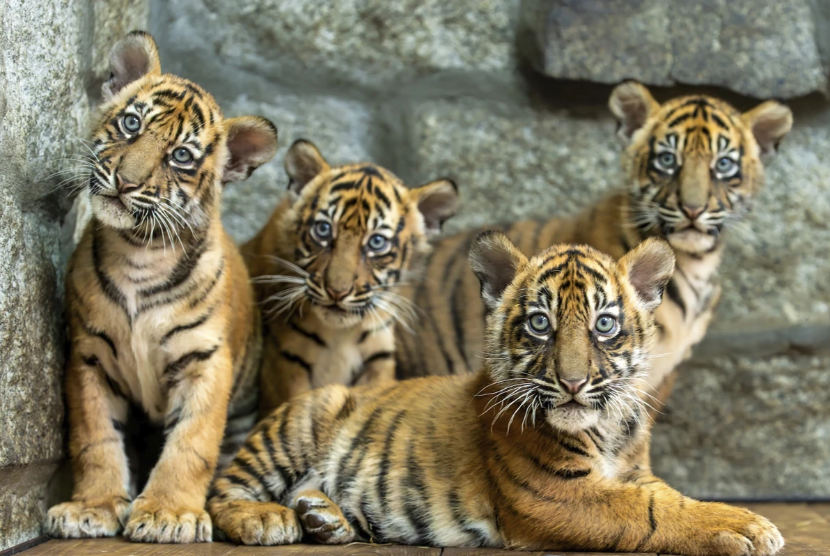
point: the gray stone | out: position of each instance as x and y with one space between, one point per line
755 47
50 51
750 429
513 162
24 499
373 43
341 129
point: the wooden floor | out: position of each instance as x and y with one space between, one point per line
806 529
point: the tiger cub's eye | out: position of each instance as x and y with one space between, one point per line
182 155
666 161
539 323
322 230
377 242
606 325
131 123
726 166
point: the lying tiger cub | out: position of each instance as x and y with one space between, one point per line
691 171
328 264
544 449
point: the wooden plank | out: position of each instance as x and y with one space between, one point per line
120 547
354 549
504 552
806 529
806 532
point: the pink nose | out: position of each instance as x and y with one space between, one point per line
692 211
125 186
573 386
337 295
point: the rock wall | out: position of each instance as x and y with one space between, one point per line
485 93
52 61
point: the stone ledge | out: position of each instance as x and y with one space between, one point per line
373 44
747 428
754 47
23 502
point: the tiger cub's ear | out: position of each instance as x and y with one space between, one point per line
437 201
632 104
133 57
302 163
251 142
649 267
495 262
770 121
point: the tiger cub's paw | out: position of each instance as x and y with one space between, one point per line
154 522
322 518
101 517
743 532
258 523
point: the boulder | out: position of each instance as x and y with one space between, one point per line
754 47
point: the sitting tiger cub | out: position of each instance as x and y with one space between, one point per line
326 266
161 317
545 449
691 171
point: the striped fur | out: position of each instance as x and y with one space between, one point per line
545 449
328 265
161 321
697 132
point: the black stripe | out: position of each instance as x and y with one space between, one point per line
416 503
182 327
383 468
298 360
674 295
173 368
287 475
360 439
571 448
107 285
310 335
181 272
377 357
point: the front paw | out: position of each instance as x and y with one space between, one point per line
154 522
322 518
739 532
258 523
96 517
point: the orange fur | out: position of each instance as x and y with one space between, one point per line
545 449
330 297
160 308
697 131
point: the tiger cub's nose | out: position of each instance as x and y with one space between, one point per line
125 186
573 386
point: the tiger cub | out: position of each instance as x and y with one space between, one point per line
546 448
327 265
692 168
160 309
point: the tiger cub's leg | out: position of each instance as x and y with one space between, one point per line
322 518
100 501
172 506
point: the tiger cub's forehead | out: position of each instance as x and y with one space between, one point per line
696 122
363 193
578 276
171 105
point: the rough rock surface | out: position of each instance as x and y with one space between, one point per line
373 43
752 429
49 52
754 47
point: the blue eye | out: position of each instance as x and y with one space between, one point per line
378 242
131 123
606 325
539 323
322 230
726 166
182 155
666 161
